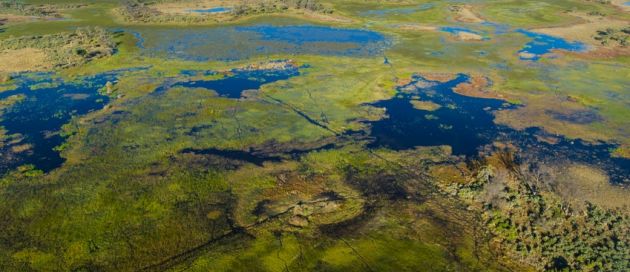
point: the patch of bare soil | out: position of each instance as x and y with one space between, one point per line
465 14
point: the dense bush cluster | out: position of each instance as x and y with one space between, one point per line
611 36
68 48
20 8
532 224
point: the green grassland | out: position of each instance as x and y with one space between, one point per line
127 198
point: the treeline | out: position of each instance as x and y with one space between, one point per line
533 225
68 48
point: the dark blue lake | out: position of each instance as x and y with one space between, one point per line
462 122
467 125
239 42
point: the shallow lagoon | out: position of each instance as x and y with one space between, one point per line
239 42
543 44
211 10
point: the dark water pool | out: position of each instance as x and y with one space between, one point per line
463 122
233 84
239 42
467 125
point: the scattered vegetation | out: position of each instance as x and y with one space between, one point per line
613 36
533 224
260 7
144 12
18 7
65 49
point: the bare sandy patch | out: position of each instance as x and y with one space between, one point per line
468 36
417 27
584 32
27 59
465 14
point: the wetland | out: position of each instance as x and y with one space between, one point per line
314 136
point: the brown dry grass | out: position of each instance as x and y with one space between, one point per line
477 87
27 59
12 18
424 105
584 32
579 183
466 15
535 113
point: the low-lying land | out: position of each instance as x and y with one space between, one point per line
306 135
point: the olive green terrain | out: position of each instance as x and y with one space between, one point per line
129 198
